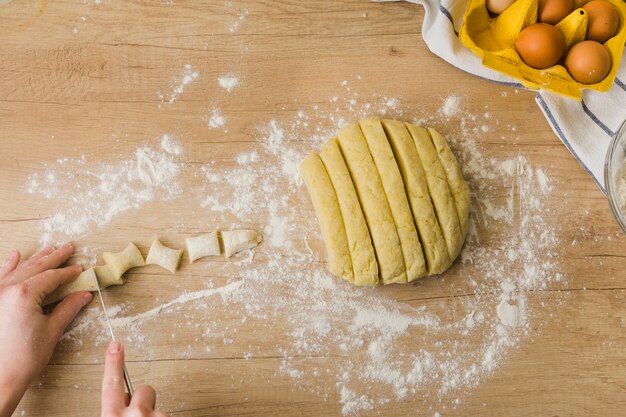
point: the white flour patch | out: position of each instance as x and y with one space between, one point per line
239 15
133 321
228 82
169 145
90 195
451 106
178 84
216 120
246 158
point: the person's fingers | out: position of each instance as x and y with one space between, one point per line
113 394
144 397
44 283
66 311
45 251
127 399
42 263
10 264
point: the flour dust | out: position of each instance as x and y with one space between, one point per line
88 193
376 348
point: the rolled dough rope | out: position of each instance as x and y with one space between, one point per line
364 264
238 240
121 262
396 195
204 245
86 281
433 243
371 194
163 256
328 213
458 185
439 190
106 278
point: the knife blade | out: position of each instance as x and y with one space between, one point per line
127 381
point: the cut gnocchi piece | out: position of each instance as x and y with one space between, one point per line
239 240
86 281
204 245
106 278
163 256
120 262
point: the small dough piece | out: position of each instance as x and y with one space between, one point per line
433 243
375 206
120 262
396 195
163 256
439 189
198 247
238 240
328 213
364 263
458 185
86 281
106 278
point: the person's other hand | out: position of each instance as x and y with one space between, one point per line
115 401
28 335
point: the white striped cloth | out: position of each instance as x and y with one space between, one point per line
584 127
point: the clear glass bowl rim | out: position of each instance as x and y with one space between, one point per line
609 175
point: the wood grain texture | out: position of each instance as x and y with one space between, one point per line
95 92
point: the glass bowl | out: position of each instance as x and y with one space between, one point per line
615 176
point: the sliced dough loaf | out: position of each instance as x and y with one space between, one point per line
391 201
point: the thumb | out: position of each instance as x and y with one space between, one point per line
67 310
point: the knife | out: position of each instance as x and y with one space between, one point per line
127 382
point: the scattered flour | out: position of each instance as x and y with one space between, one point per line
451 106
151 314
169 145
381 334
352 403
511 310
228 82
377 348
216 120
246 158
178 83
90 195
239 16
543 180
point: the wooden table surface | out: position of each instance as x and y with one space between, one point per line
83 77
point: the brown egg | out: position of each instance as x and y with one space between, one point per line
553 11
498 6
540 45
602 20
588 62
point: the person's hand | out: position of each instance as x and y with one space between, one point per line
28 335
115 401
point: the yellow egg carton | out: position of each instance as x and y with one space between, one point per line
493 39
